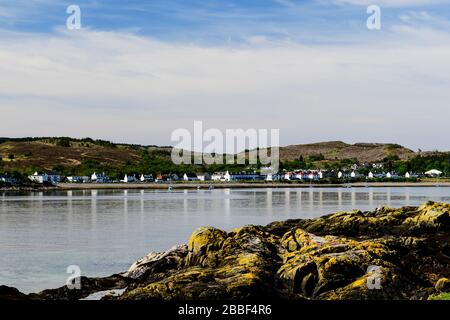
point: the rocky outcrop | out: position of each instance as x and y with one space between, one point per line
8 293
385 254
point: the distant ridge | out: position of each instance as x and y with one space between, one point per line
338 150
48 153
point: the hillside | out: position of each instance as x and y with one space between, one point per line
49 153
338 150
84 156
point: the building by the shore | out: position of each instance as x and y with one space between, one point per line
190 177
78 179
129 179
433 173
45 177
146 178
99 178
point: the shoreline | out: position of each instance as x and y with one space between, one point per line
221 185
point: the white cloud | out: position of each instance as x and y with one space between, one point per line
423 18
128 88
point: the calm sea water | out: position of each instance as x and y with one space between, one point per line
104 231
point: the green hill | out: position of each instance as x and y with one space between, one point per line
71 156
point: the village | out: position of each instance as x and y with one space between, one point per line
55 178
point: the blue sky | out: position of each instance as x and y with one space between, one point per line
145 68
214 21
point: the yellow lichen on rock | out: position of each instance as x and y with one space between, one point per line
431 215
202 245
443 285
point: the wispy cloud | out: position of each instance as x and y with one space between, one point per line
425 19
123 86
294 66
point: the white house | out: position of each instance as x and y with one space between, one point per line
146 178
38 177
392 175
340 174
313 175
99 177
287 176
217 176
271 176
411 175
52 178
190 177
433 173
129 179
220 176
370 175
78 179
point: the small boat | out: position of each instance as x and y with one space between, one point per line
170 188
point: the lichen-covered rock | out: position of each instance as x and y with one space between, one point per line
385 254
237 265
430 217
440 296
203 245
443 285
314 265
88 287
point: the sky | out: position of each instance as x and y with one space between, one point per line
138 70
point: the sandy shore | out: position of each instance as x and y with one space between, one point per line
217 185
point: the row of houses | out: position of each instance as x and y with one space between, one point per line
296 175
55 178
304 175
389 175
